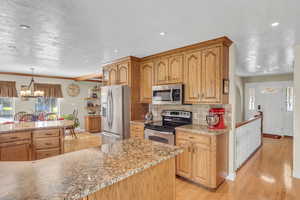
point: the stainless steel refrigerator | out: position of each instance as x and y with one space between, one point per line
115 112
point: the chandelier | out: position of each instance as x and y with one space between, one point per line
28 91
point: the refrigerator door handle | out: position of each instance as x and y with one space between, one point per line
108 108
112 109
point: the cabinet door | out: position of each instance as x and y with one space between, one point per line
201 164
123 70
15 151
192 76
146 82
211 76
184 160
161 72
175 69
112 75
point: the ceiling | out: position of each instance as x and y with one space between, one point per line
74 37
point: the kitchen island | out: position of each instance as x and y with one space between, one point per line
24 141
131 169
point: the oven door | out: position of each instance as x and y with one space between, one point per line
167 94
159 136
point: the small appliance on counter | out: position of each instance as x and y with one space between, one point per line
164 131
215 118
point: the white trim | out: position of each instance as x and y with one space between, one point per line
296 174
231 176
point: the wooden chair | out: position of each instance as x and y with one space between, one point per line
19 115
76 122
28 118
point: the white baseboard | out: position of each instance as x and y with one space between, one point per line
296 174
231 176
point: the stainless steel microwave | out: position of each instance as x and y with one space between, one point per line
167 94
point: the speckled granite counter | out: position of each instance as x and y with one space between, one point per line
200 129
78 174
26 126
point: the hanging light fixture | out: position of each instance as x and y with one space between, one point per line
28 91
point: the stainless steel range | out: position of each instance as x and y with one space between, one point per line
164 131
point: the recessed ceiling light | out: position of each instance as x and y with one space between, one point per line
275 24
24 26
162 33
116 50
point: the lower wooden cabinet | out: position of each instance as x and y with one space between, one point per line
25 146
15 151
93 123
136 130
205 158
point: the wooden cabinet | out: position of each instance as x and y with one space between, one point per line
15 146
137 130
168 70
46 143
123 73
175 70
211 75
161 71
192 77
126 71
15 151
205 158
146 82
93 123
203 76
112 72
184 160
24 146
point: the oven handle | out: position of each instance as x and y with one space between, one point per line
155 132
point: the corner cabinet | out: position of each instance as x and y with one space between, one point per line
204 160
146 82
127 71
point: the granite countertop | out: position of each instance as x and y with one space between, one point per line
201 129
77 174
26 126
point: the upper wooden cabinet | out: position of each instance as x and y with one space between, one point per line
168 70
175 73
146 82
112 73
211 78
161 71
204 73
123 70
192 77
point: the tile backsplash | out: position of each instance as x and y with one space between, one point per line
199 112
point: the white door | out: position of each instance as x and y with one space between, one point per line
272 96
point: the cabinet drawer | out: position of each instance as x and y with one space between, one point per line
10 137
46 133
46 143
193 137
40 154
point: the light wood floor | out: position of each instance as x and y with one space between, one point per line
267 176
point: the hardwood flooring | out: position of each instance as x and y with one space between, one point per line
84 141
266 176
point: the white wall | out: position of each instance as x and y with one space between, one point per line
239 101
67 104
296 161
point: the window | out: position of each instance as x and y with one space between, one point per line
251 98
289 98
47 105
6 109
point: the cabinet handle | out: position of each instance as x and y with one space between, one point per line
12 138
47 143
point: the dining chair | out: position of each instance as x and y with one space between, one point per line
19 115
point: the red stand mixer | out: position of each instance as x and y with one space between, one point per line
215 118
